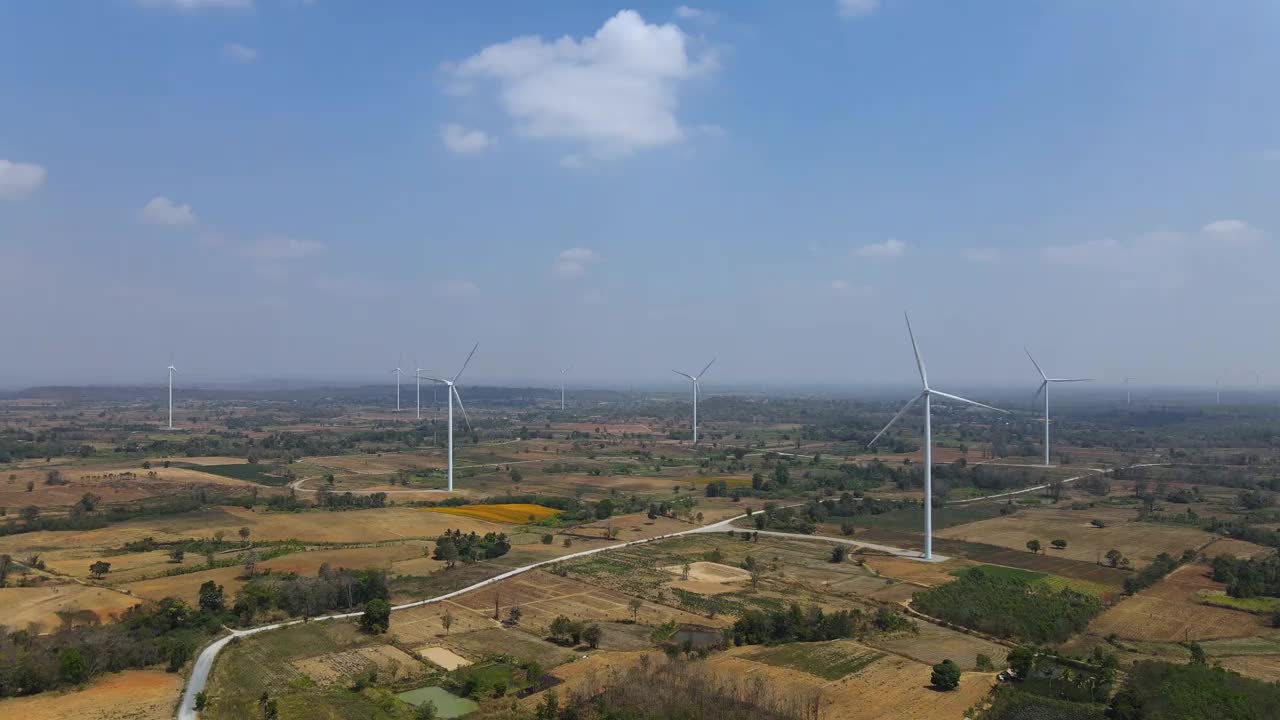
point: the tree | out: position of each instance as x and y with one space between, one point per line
1059 543
846 527
592 635
202 700
6 561
250 564
72 666
1034 546
30 513
1022 661
99 569
244 535
946 675
1114 557
177 554
516 476
425 711
31 485
447 551
446 620
684 571
549 708
634 606
514 614
839 553
376 617
211 598
983 663
547 538
1197 653
89 502
561 627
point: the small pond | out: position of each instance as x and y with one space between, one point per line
447 704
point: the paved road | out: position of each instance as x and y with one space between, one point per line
1088 472
204 661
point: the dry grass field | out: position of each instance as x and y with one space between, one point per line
934 644
336 667
442 657
21 606
1170 611
130 695
1140 542
514 513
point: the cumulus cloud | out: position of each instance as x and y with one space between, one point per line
844 288
19 180
575 261
457 288
240 53
195 5
1109 253
887 250
278 248
856 8
685 12
615 92
1231 231
161 210
464 141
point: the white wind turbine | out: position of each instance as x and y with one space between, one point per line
562 374
172 371
927 394
1044 388
398 373
1128 398
417 390
694 379
451 388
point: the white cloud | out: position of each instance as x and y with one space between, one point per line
615 92
457 288
856 8
240 53
195 5
685 12
357 287
889 249
575 261
464 141
1156 247
1231 231
279 248
983 255
161 210
18 179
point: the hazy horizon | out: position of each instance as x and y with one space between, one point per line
277 189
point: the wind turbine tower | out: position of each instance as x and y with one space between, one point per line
1128 397
172 371
397 372
451 389
417 388
562 374
926 394
1044 388
694 379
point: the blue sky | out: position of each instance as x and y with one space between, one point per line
269 188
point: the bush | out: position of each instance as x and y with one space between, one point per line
946 675
376 617
1009 607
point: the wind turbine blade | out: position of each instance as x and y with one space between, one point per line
1033 362
685 375
924 377
461 407
901 412
704 370
435 380
1070 379
949 396
466 362
1039 390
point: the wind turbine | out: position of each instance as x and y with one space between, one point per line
451 388
1044 388
1128 398
397 372
172 371
927 394
562 374
694 379
417 390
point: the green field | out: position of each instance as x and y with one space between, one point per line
1053 582
1259 605
447 704
829 660
249 472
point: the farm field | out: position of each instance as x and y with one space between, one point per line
130 695
518 513
1171 611
933 644
21 606
1140 542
